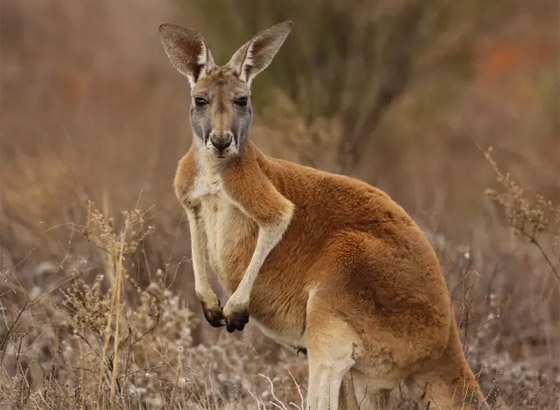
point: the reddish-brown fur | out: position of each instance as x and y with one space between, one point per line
338 267
373 266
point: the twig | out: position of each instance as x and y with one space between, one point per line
546 258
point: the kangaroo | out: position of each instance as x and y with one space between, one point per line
318 261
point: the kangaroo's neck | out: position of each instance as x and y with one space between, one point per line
208 163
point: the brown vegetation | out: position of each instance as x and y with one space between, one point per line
91 110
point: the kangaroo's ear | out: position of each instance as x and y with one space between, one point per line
187 51
255 55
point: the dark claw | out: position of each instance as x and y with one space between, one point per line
237 321
301 350
214 316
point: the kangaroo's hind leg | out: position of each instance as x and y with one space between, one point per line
331 346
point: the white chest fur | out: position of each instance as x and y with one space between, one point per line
221 220
215 212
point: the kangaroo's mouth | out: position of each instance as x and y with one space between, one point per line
224 153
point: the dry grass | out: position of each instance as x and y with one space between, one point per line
91 337
101 341
98 312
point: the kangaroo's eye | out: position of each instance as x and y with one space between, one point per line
241 101
199 101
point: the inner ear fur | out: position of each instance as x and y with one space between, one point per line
186 50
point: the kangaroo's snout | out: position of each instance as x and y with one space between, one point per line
221 140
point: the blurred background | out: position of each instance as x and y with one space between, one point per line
407 95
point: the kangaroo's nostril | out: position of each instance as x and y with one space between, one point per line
221 141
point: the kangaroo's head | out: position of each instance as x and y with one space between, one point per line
221 95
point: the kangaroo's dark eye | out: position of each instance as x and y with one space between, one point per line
199 101
241 101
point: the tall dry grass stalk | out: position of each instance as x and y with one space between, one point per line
116 244
530 219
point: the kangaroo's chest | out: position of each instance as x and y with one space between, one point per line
230 235
225 228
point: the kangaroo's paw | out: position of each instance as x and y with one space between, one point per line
236 315
214 314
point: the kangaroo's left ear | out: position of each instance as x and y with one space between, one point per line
255 55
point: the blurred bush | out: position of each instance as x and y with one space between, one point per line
348 60
352 60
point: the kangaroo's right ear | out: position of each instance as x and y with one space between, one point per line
187 51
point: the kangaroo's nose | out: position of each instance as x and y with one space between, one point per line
221 140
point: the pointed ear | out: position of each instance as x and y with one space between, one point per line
187 51
255 55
